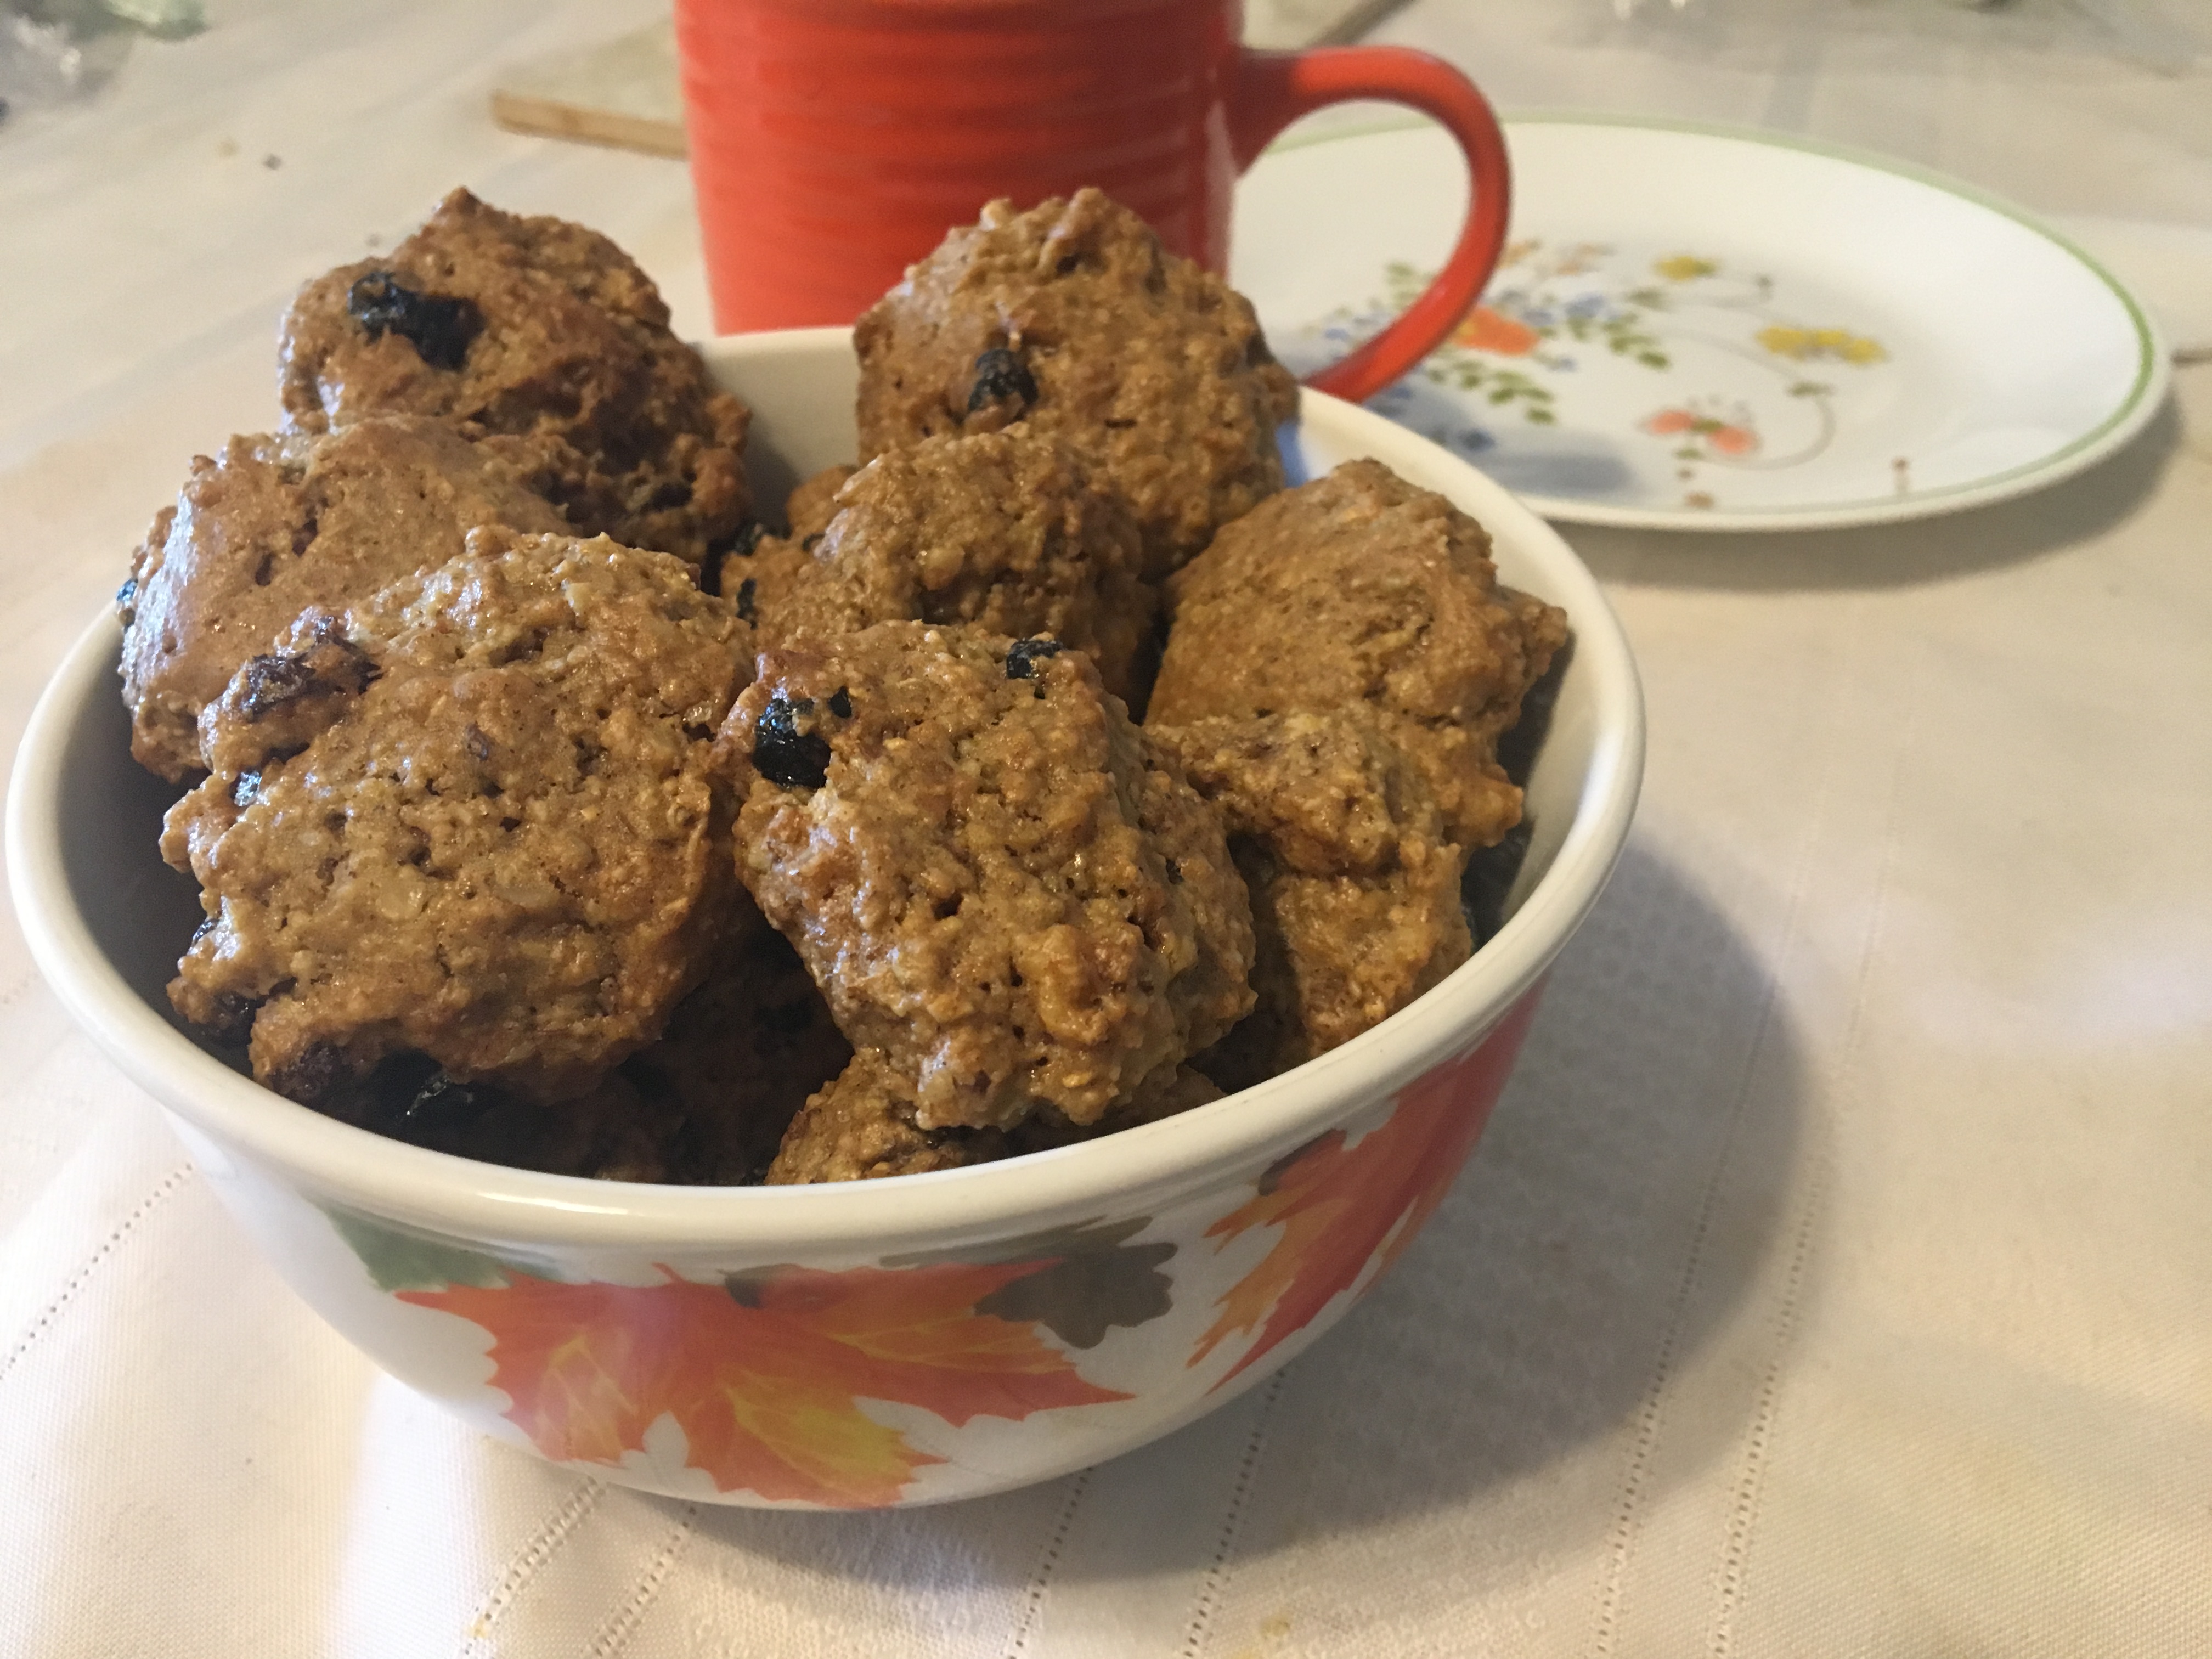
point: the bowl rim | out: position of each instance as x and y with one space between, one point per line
456 1195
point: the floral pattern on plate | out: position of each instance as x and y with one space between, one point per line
1701 365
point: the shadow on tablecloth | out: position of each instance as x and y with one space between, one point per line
1626 1196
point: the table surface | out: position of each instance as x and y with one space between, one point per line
1834 1278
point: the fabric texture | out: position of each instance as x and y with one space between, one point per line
1830 1280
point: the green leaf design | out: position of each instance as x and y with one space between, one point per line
405 1259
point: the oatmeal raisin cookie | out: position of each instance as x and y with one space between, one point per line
999 887
546 338
1071 318
470 816
1360 588
277 526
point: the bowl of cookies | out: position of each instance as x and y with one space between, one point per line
840 918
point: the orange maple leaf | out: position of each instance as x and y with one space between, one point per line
763 1376
1337 1204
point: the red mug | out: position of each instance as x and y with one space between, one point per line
835 141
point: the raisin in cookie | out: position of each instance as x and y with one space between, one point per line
471 817
1360 588
1003 529
1355 889
282 525
998 886
541 332
1071 318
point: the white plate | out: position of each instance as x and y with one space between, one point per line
1695 328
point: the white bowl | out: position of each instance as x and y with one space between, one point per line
933 1337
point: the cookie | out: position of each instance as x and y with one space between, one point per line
1360 588
813 501
470 817
277 526
705 1105
1003 529
1355 889
762 569
541 331
1070 317
863 1127
997 887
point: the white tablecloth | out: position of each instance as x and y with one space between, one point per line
1832 1281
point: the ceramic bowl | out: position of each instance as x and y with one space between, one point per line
879 1343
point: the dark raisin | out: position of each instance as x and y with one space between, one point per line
439 326
784 753
749 537
1175 871
125 597
479 745
278 678
304 537
841 702
309 1078
273 681
748 591
1000 376
1022 656
247 790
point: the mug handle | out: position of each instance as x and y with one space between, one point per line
1273 88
